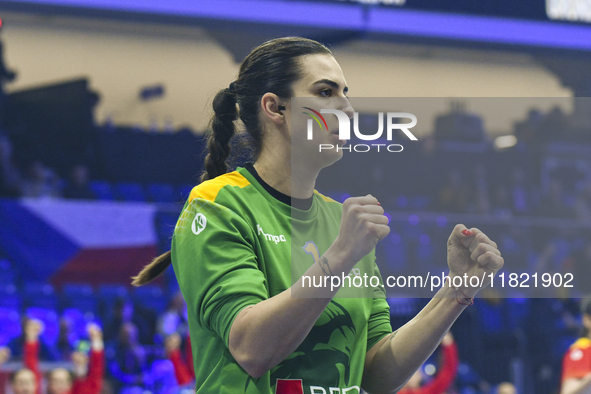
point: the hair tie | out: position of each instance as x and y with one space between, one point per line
231 89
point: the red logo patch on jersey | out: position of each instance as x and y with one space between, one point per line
289 386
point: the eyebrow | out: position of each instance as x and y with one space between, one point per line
332 84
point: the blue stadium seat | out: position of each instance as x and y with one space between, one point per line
150 297
50 321
81 296
9 296
112 291
131 191
40 295
102 190
160 192
11 325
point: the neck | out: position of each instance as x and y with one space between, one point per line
276 169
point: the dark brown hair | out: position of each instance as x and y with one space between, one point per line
271 67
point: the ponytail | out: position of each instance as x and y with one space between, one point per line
218 145
222 126
152 270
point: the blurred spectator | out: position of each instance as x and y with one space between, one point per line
443 380
23 382
526 131
480 204
576 364
583 202
184 374
174 318
126 312
553 125
6 75
580 266
64 342
4 355
17 344
40 181
501 204
129 366
454 195
78 187
506 388
521 195
86 378
553 204
89 371
480 181
10 178
59 381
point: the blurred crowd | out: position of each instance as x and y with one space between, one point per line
473 192
38 180
134 351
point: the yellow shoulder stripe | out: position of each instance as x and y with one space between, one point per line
582 343
209 190
325 198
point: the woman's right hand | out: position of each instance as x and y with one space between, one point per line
363 225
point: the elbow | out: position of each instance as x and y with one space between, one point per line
253 365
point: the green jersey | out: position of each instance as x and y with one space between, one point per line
232 248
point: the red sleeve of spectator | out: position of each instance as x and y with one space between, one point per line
31 359
183 376
93 381
444 379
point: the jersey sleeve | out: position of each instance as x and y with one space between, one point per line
379 320
214 257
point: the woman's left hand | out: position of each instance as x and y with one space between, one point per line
471 253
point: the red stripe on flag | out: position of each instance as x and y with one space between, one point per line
111 265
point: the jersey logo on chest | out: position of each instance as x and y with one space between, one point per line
271 237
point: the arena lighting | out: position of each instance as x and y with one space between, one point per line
352 17
505 141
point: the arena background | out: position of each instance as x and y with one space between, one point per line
104 106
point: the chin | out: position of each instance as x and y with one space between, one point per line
330 157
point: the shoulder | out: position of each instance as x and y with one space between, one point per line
211 189
327 199
581 343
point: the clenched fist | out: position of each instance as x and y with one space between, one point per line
363 225
470 252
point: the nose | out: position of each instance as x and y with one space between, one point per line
345 105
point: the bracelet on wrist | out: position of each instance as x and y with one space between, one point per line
463 298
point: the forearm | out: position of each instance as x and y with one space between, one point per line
577 386
263 335
399 355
